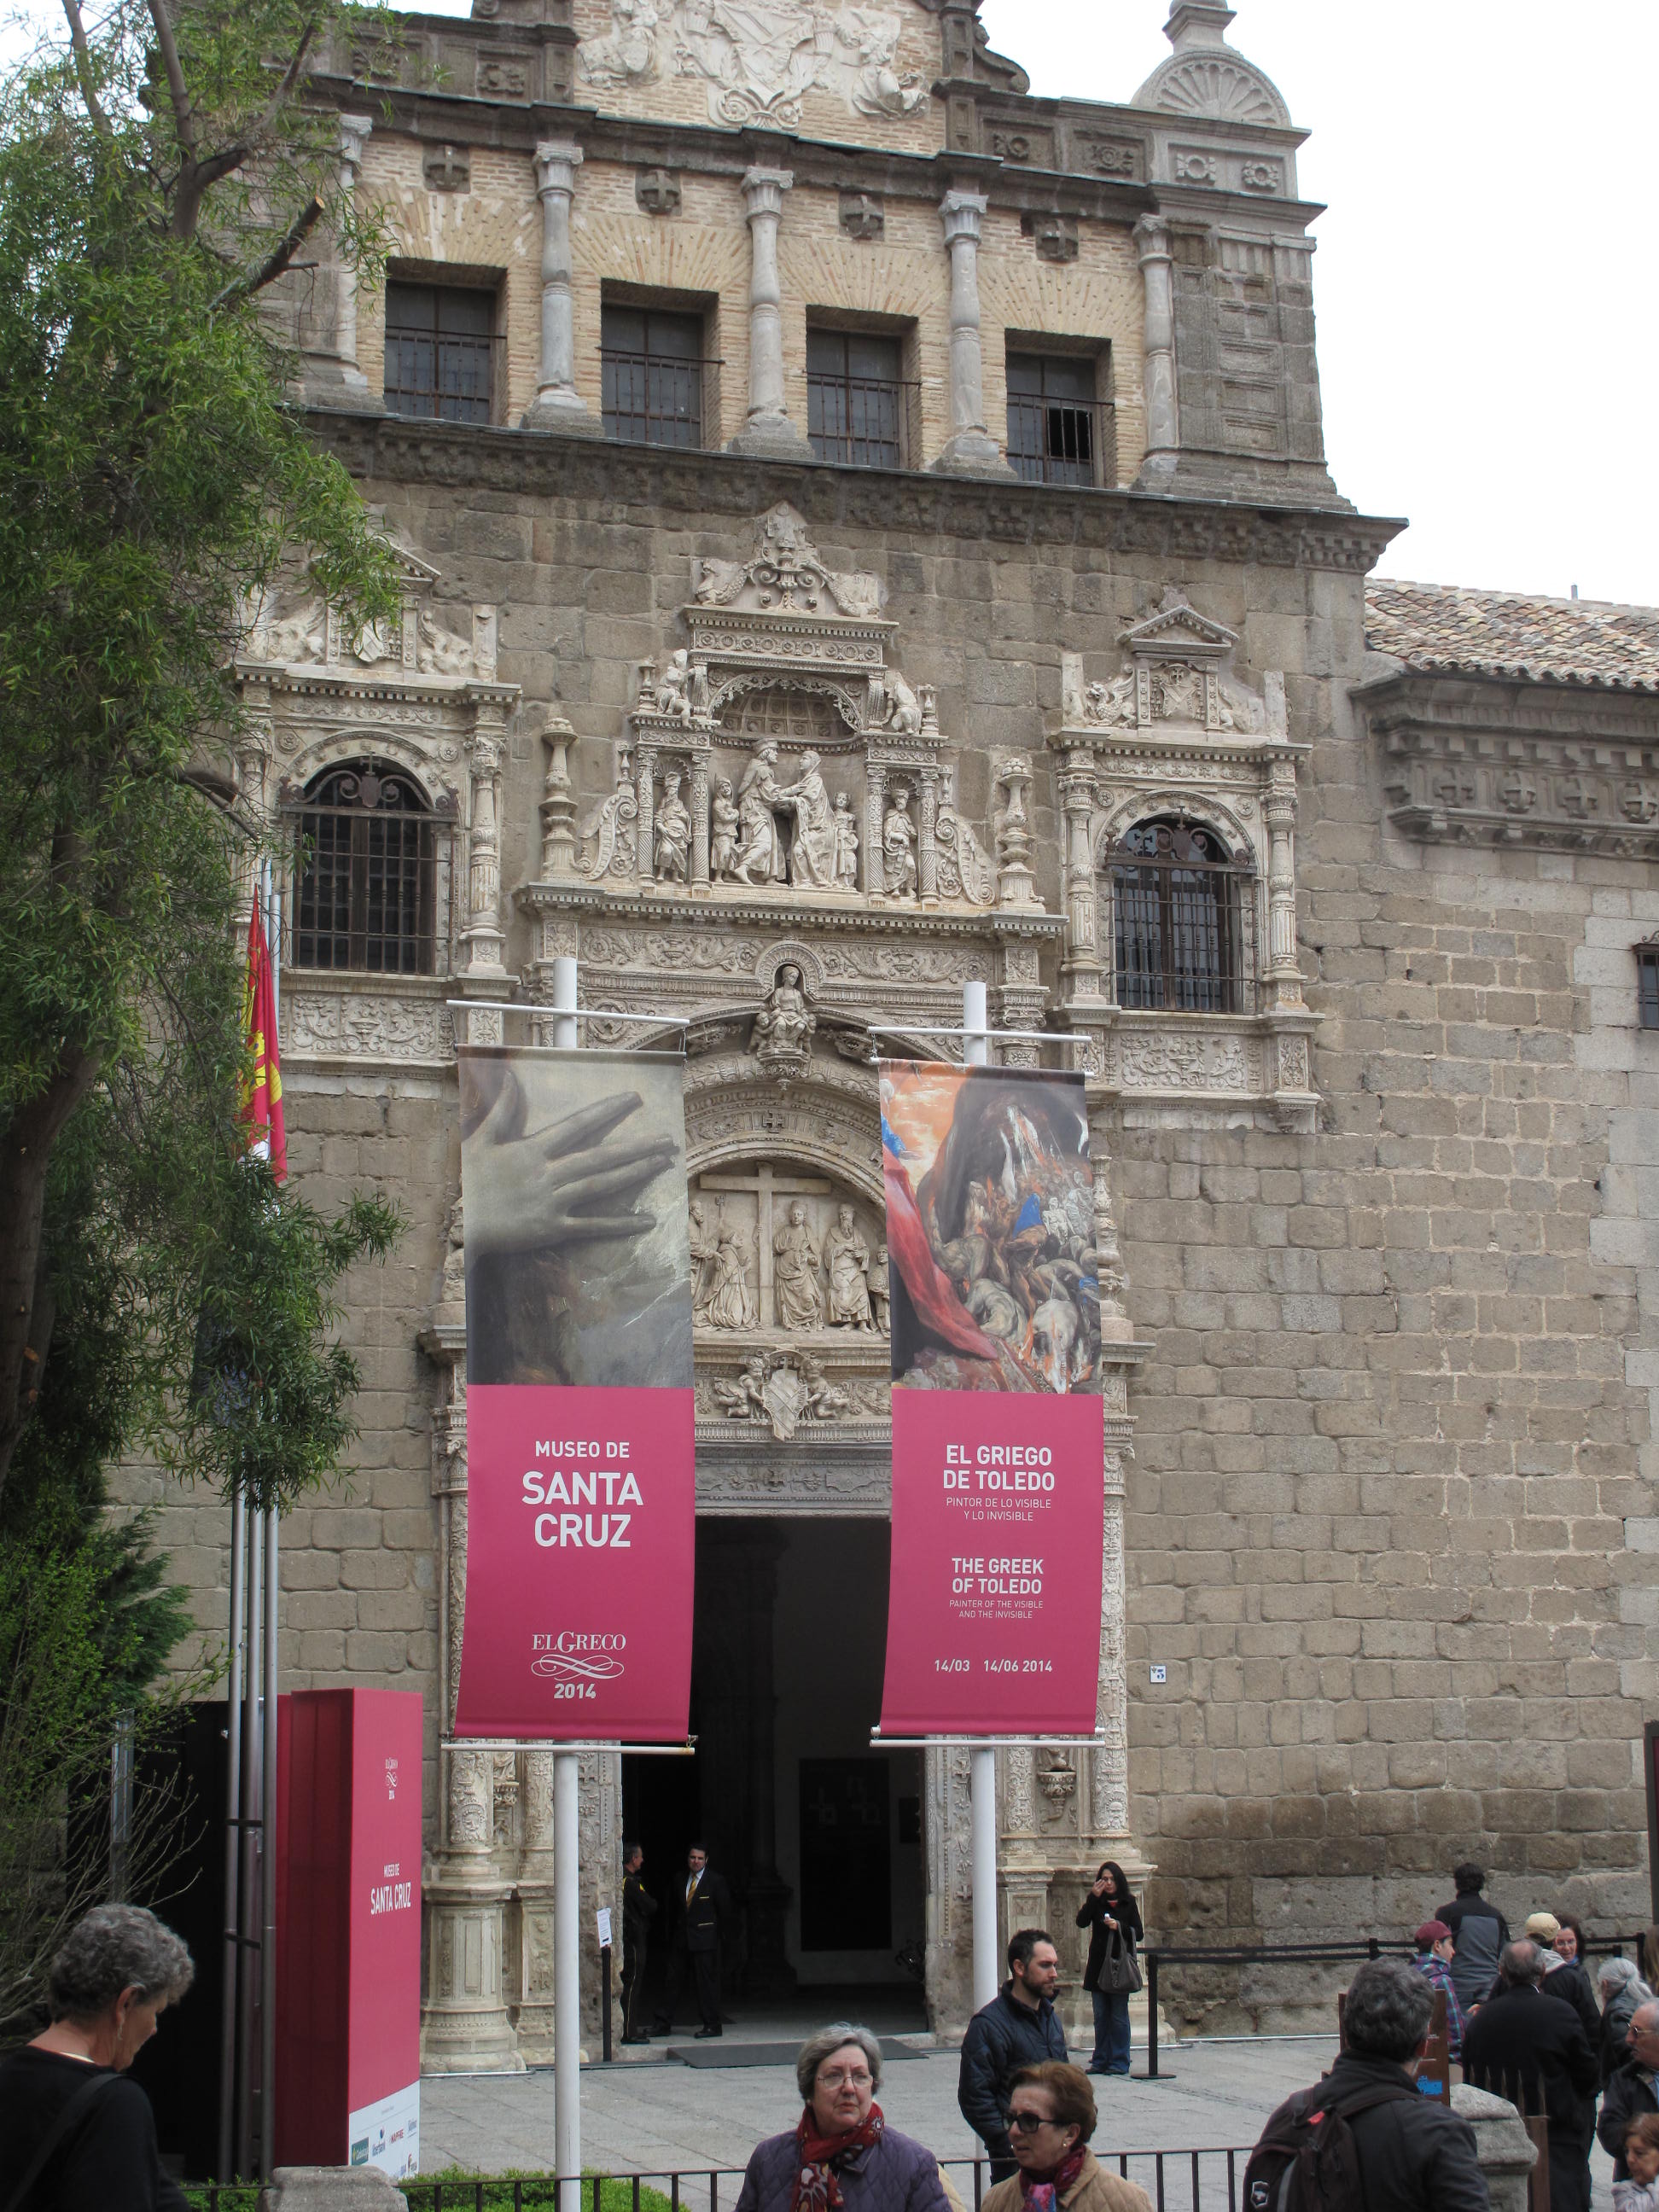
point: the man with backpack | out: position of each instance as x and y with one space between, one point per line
1368 2115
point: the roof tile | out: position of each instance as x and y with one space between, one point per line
1446 629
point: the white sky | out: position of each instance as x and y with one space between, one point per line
1485 285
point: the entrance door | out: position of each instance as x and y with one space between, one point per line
818 1837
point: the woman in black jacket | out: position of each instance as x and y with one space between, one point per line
1108 1909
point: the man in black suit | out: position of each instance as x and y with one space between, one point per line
1533 2049
700 1916
638 1910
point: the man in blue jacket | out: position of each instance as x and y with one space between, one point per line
1017 2028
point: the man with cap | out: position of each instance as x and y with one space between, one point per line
1434 1961
1565 1978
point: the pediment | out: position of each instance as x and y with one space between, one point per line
1178 631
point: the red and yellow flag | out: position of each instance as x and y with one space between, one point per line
261 1098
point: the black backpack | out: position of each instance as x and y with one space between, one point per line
1307 2160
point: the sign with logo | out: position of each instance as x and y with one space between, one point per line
582 1494
999 1429
348 1929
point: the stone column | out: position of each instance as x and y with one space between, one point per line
1152 237
698 800
927 835
768 429
557 404
483 939
1279 811
558 803
464 2027
534 1894
331 372
1076 794
970 449
645 797
875 806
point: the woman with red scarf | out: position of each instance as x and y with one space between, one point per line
1051 2117
841 2156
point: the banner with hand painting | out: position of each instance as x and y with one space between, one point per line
999 1428
581 1504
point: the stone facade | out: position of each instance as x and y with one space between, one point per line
794 749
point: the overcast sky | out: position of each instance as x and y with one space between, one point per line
1485 279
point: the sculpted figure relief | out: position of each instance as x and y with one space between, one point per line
733 1302
904 707
846 844
672 692
795 1273
876 1280
723 844
812 849
760 845
629 49
742 1400
898 845
1112 705
846 1263
704 1246
783 1029
786 572
673 826
760 58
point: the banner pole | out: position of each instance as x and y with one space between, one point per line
253 1814
567 1888
982 1760
273 1600
225 2169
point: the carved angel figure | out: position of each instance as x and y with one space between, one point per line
723 845
673 829
846 844
442 650
742 1400
628 49
898 845
825 1400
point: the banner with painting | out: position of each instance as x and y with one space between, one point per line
581 1500
999 1430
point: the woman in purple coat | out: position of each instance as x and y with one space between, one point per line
841 2155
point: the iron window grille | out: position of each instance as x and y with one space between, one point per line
373 864
857 401
1058 432
1647 985
1183 910
651 371
440 352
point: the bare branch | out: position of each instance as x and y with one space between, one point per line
83 69
268 122
183 115
275 263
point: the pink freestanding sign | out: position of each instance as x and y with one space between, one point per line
348 1929
998 1427
582 1494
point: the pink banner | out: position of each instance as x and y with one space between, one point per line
580 1506
999 1429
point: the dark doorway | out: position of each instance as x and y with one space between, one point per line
845 1853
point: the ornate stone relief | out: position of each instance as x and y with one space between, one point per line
1450 780
759 58
1173 734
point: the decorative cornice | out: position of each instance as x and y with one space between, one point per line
540 465
722 913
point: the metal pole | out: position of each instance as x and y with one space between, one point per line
252 1783
566 1878
976 1053
233 1839
273 1600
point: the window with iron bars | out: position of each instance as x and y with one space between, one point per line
651 370
1647 987
439 351
1182 915
1053 419
856 399
369 853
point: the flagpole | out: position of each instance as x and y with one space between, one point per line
232 1841
982 1759
567 1881
273 1596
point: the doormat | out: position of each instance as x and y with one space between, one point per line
722 2051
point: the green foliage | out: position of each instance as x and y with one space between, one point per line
453 2189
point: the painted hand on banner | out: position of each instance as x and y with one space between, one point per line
574 1181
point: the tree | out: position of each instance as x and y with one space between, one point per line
155 177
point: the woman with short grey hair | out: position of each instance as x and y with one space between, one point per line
841 2155
76 2133
1622 1991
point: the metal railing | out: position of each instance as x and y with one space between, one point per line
1061 441
658 399
862 421
444 377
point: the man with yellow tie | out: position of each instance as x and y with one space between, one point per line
704 1909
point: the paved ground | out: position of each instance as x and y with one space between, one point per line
654 2116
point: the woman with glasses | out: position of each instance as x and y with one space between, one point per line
841 2155
1051 2117
1112 1920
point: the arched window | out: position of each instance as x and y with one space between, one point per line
365 868
1182 920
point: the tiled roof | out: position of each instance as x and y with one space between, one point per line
1444 628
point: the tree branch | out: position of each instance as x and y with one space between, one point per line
83 69
267 123
183 115
242 288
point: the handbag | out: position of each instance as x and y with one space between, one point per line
1120 1970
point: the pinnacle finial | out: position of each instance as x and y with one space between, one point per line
1198 23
